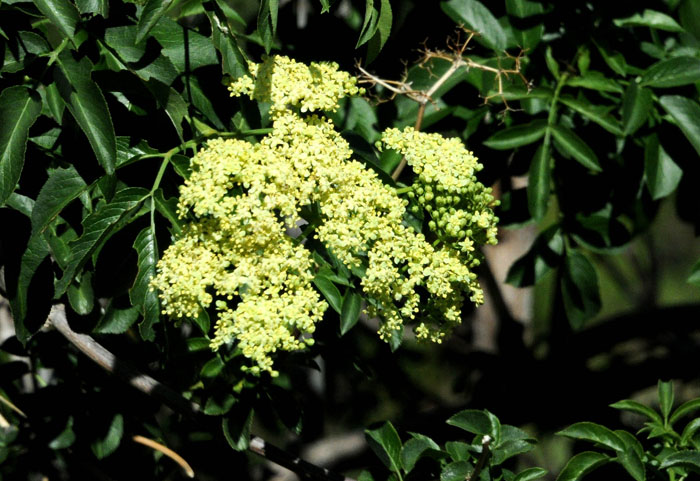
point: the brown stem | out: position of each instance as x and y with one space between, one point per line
482 459
146 384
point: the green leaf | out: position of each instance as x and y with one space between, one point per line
96 7
631 457
233 61
538 183
107 445
236 427
116 320
330 292
684 409
530 474
552 64
458 450
661 173
579 288
456 471
694 277
686 113
614 60
545 254
475 16
636 105
386 444
689 432
325 6
414 449
212 367
595 81
350 310
81 297
635 407
476 422
517 135
55 102
689 460
98 227
186 49
596 113
168 209
689 15
594 433
652 19
66 438
151 13
143 63
19 109
267 22
88 106
510 448
523 8
62 187
665 391
218 405
672 72
369 26
582 464
141 294
380 37
34 255
572 144
61 13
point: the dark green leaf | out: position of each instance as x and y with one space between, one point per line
36 252
686 113
456 471
144 64
594 433
517 135
614 60
218 405
116 320
380 37
689 431
635 407
631 457
369 26
636 105
530 474
66 438
652 19
172 102
538 183
97 227
573 145
508 449
233 61
596 113
684 409
545 254
81 296
141 294
186 49
330 292
267 22
694 277
386 444
19 108
579 287
665 391
62 187
476 422
236 427
689 14
151 13
458 450
552 64
475 16
168 209
107 445
582 464
672 72
414 449
55 102
595 81
61 13
689 460
198 344
88 106
97 7
212 367
523 8
350 310
661 173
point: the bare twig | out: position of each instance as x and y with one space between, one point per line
146 384
485 442
455 54
166 451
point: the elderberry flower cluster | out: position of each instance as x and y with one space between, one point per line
241 198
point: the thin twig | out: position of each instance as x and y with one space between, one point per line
166 451
146 384
485 442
